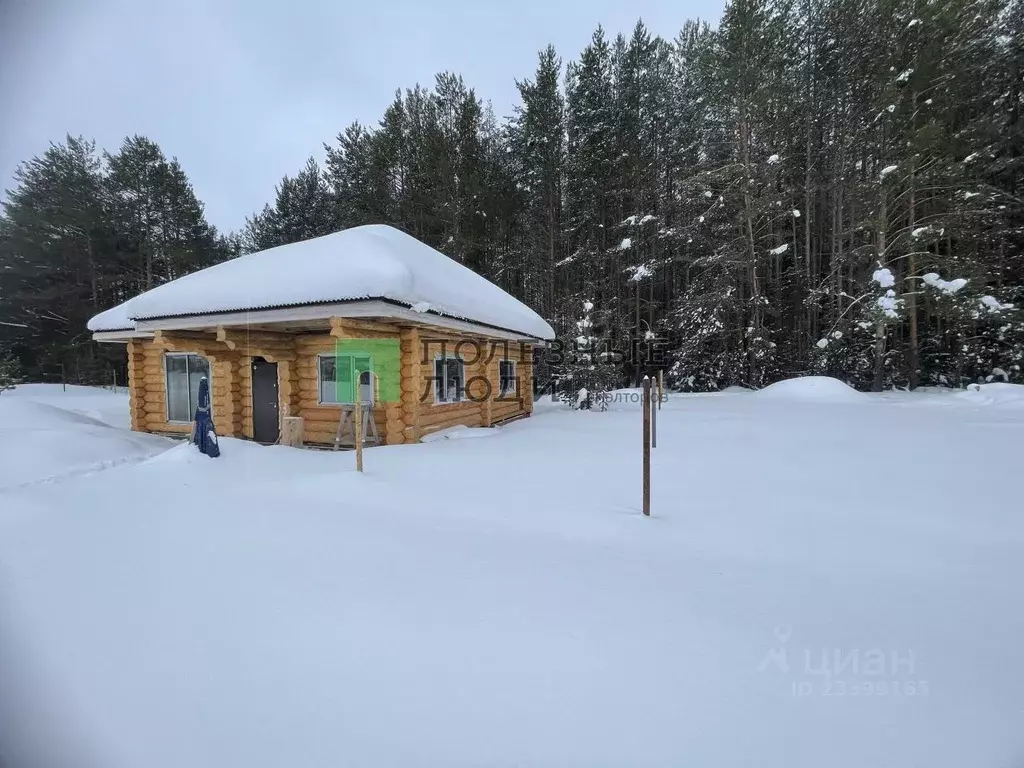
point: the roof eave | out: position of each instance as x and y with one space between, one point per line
305 312
120 336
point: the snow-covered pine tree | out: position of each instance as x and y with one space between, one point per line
10 371
588 369
589 167
303 209
537 141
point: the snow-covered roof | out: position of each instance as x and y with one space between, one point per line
369 262
113 319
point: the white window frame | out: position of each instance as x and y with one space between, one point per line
502 392
319 383
188 379
437 383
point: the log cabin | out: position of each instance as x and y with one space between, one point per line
303 329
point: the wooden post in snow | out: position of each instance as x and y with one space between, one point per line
647 446
654 422
661 386
359 422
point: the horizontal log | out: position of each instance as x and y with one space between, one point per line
344 328
446 425
427 418
175 428
395 438
316 416
394 425
319 419
318 346
498 412
284 353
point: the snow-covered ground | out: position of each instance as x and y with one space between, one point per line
828 579
48 432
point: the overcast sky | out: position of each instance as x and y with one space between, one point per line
243 91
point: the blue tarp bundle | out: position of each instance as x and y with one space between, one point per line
204 435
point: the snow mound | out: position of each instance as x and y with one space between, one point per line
460 432
100 405
369 262
999 394
40 442
735 389
823 389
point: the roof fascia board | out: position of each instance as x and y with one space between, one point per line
352 309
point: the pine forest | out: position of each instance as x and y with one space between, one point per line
810 186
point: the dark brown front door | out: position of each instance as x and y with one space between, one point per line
265 421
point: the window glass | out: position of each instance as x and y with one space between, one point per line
182 375
198 367
449 380
337 378
328 379
177 388
507 374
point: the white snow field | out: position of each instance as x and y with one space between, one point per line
821 584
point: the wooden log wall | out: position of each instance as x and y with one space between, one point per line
482 372
230 378
525 373
415 414
412 375
224 393
512 404
136 385
321 421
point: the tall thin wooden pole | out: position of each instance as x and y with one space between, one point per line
654 423
647 446
359 423
661 386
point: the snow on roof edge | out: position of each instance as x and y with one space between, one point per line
114 319
325 302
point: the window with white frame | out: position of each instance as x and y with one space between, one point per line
507 377
449 379
336 377
183 371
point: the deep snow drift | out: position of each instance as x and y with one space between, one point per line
822 389
47 433
818 586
